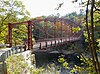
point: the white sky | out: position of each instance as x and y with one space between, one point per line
47 7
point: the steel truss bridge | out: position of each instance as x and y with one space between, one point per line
55 31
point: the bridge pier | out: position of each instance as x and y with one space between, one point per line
40 58
44 57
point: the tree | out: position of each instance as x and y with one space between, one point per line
91 24
10 11
92 36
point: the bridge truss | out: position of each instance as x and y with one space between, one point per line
54 29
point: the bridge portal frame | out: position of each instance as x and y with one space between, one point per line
29 33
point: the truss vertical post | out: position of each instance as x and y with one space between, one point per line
66 36
55 31
46 30
61 30
39 34
71 33
30 45
10 34
54 35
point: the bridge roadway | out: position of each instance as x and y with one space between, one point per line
53 42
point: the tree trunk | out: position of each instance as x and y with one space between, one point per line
89 42
93 44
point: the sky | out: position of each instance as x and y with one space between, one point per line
47 7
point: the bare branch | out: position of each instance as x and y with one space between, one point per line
96 9
59 6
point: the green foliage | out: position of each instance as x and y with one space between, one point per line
65 65
86 36
77 69
98 40
19 34
11 11
75 30
63 61
75 17
98 51
16 64
87 67
50 69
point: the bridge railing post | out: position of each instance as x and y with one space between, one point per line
60 41
51 43
40 46
46 45
55 42
71 33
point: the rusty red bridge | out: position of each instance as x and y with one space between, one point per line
55 31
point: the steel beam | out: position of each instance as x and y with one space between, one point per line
46 30
10 34
30 45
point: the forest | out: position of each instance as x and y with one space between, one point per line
89 18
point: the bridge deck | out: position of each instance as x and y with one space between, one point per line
45 44
37 45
